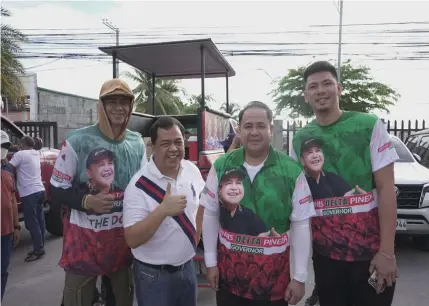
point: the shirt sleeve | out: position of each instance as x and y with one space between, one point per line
16 159
302 201
63 175
382 151
65 167
135 207
209 197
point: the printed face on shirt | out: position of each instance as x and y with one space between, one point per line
117 109
169 148
255 130
101 173
322 91
312 160
231 192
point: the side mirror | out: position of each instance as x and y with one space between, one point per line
417 157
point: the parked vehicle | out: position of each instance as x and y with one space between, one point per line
418 144
412 193
48 156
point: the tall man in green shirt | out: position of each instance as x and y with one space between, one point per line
253 197
353 233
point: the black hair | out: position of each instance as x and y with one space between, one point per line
28 141
187 132
256 104
320 66
164 123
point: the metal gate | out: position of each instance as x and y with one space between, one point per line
47 131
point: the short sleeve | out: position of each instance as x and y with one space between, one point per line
302 201
65 167
16 159
209 196
135 207
382 151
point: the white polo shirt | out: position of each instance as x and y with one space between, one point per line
170 244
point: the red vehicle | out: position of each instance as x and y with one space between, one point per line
48 156
188 59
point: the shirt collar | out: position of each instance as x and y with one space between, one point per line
153 169
239 159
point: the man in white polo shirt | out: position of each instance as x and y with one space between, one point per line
160 207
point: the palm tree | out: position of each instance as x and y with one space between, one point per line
195 102
11 67
234 109
166 91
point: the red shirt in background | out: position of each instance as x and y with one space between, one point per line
7 194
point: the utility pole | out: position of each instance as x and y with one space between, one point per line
114 28
340 32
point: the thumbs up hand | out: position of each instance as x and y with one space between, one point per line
173 205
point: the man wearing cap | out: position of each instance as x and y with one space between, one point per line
273 187
10 227
323 184
90 176
32 194
234 217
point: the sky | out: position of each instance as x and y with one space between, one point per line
227 22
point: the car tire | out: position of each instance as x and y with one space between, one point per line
53 220
422 242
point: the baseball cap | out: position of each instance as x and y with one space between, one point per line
5 138
115 87
229 174
97 155
310 143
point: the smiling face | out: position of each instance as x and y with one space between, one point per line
169 149
101 173
313 159
322 91
117 109
232 191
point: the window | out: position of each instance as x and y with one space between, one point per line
424 151
14 134
412 143
401 150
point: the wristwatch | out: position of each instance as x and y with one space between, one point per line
18 227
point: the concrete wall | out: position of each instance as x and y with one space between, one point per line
69 111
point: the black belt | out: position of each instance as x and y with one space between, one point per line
168 268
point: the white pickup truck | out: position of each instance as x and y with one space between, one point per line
412 193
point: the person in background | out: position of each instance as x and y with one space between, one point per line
186 136
10 228
353 235
90 175
32 194
231 142
160 206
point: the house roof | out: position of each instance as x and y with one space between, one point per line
174 60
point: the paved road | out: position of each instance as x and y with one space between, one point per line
41 282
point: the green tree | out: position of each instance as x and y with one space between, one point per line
194 103
11 67
167 101
360 92
234 109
